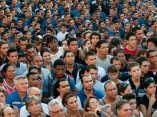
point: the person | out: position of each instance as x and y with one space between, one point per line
111 95
102 58
132 100
92 104
147 103
63 32
72 67
37 60
154 114
123 108
90 114
70 102
59 72
19 96
129 58
135 81
33 91
123 88
9 73
32 79
92 70
7 111
87 90
13 59
55 108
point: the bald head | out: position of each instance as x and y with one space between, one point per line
37 60
8 112
109 82
34 91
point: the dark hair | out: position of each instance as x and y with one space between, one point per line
110 48
95 33
128 35
92 66
23 38
83 43
115 41
141 52
70 40
150 51
11 50
6 67
29 74
90 53
59 62
135 29
132 64
121 87
66 96
33 67
84 75
120 104
29 46
112 69
118 51
116 58
44 50
148 81
129 96
56 93
141 59
153 40
128 56
67 51
50 38
100 42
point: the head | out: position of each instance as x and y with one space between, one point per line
151 43
134 70
9 71
37 60
152 56
46 55
102 47
34 68
90 114
69 57
31 50
2 96
131 39
34 91
90 58
120 54
112 48
52 42
129 58
12 56
23 41
113 73
138 33
123 88
87 82
33 79
116 42
72 44
3 48
7 112
116 61
94 38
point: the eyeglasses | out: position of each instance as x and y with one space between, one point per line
148 79
59 111
94 103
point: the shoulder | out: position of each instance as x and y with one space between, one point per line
109 56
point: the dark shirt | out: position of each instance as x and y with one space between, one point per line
125 69
79 60
3 61
45 116
151 74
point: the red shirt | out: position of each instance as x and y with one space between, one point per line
7 87
129 51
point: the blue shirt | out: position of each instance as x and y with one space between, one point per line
14 99
83 97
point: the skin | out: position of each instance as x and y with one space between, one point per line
9 112
3 50
37 60
13 57
124 111
135 72
91 60
56 111
72 104
10 73
33 80
22 85
127 90
63 87
31 52
111 90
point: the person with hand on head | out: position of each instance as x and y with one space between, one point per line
70 102
132 100
123 88
92 104
147 103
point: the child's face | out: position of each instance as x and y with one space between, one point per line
113 76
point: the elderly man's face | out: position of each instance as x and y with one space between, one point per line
56 111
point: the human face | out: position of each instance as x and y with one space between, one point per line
133 104
64 43
139 35
36 92
151 45
10 72
9 112
88 36
122 58
13 57
111 90
72 103
132 41
103 49
4 48
117 63
2 98
28 35
144 67
57 111
135 72
113 76
34 108
73 46
31 52
59 70
23 45
22 85
94 74
53 44
129 61
69 58
127 90
94 39
112 50
87 44
152 58
151 89
37 60
93 104
124 111
87 83
33 80
91 60
63 87
46 57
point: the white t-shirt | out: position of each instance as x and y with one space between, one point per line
57 55
61 36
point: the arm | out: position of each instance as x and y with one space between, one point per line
17 111
145 112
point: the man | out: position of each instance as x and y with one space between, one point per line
55 108
13 59
19 96
8 112
59 72
61 35
33 91
71 67
87 90
102 59
111 95
37 60
23 41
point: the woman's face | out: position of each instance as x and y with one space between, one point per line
151 89
10 72
128 90
34 108
46 57
72 103
93 104
2 98
124 111
87 44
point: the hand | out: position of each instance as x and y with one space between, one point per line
108 108
98 108
152 100
81 54
136 113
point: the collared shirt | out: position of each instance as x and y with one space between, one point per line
3 61
83 97
14 99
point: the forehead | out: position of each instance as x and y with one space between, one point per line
69 53
110 86
73 42
37 58
63 83
86 78
135 67
56 107
152 53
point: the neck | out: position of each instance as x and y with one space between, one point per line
142 74
130 48
138 42
135 80
21 94
148 95
54 50
153 66
101 56
88 92
122 66
58 77
111 100
9 81
70 66
92 46
71 112
46 63
3 57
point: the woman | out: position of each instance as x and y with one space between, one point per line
70 102
85 44
90 114
33 106
123 88
148 103
123 109
9 73
2 102
112 48
46 55
92 104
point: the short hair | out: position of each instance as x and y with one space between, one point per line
128 56
44 50
92 66
70 40
29 74
100 42
141 52
150 51
115 41
11 50
67 51
51 38
132 64
29 46
153 40
120 104
141 59
30 99
135 29
20 77
85 75
112 69
23 38
66 96
129 96
2 42
128 35
90 53
121 87
59 62
116 58
54 102
33 67
118 51
95 33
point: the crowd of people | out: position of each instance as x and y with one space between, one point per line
78 58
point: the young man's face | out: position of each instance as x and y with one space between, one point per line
4 48
73 46
129 60
91 60
122 57
23 45
139 35
132 41
60 70
103 49
117 63
135 72
87 83
152 58
144 67
69 58
94 39
94 74
13 57
63 87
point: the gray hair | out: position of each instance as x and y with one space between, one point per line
54 102
20 77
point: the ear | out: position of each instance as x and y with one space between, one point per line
88 108
145 89
58 89
86 61
122 93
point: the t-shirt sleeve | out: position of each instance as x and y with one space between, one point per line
72 84
8 99
45 86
